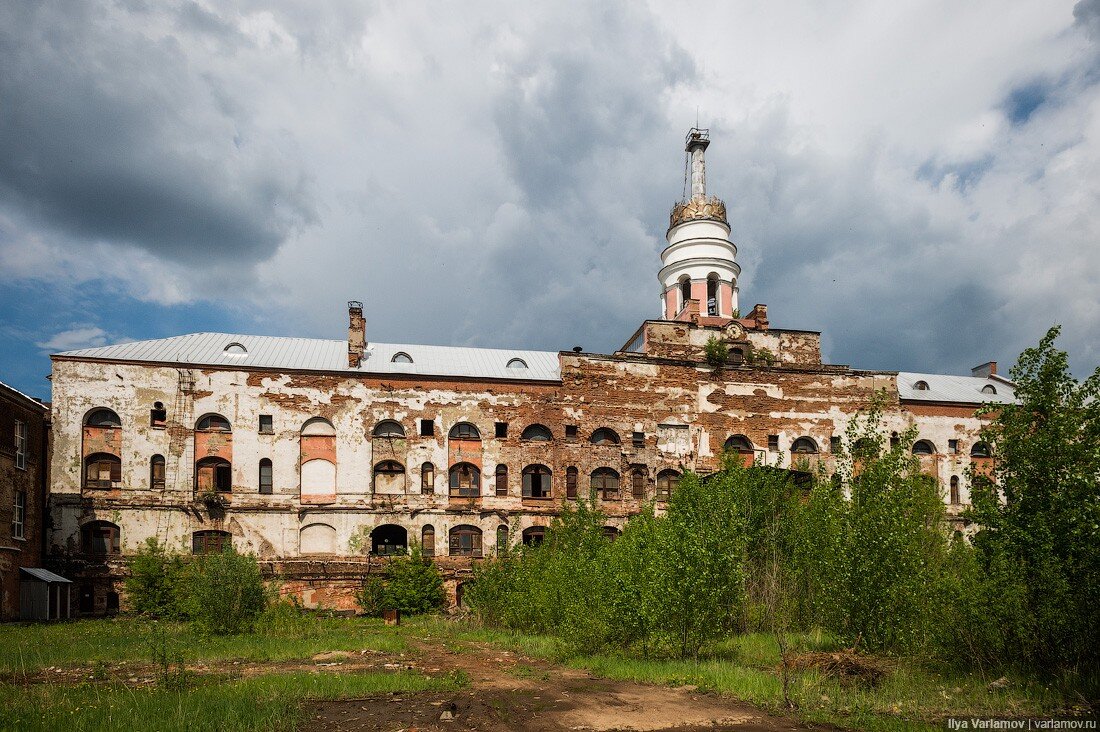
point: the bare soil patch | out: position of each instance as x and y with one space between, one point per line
512 693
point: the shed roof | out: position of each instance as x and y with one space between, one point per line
313 354
957 389
44 574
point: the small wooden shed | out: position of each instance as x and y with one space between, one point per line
43 595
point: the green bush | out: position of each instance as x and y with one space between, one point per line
412 584
153 584
223 593
717 352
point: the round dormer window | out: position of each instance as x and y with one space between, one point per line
517 363
236 349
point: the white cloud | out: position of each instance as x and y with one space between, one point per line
86 336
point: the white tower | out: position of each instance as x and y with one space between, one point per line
699 269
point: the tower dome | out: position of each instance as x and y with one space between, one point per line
699 269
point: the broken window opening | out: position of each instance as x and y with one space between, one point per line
954 494
465 481
464 431
500 429
210 541
213 474
100 537
502 540
638 440
712 294
427 478
637 483
465 541
427 540
773 443
102 418
605 482
427 428
158 415
213 423
685 291
389 540
267 425
534 535
667 482
536 481
571 432
981 450
102 471
923 447
604 436
804 446
389 477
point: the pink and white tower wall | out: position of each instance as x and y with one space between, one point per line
699 269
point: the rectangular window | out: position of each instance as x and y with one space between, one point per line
502 481
639 439
834 444
571 432
158 417
19 515
223 477
266 477
267 425
501 429
637 484
773 443
427 428
571 483
20 445
953 447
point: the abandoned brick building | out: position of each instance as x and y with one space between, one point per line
323 457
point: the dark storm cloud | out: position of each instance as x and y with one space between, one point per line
110 133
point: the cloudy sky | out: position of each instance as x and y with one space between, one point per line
920 181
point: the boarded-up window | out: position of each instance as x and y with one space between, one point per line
637 483
427 478
427 540
317 539
389 477
570 482
318 478
465 541
536 481
674 439
267 478
210 542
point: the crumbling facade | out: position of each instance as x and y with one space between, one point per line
325 457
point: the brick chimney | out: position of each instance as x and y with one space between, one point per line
357 333
986 369
759 317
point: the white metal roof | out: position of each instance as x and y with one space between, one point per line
945 388
44 574
312 354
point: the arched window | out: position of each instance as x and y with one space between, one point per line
637 482
517 363
464 431
465 480
667 482
427 478
534 535
389 539
685 291
156 472
158 415
102 418
502 480
102 471
739 443
318 427
213 423
267 477
465 541
605 482
389 429
954 495
804 446
427 540
570 482
213 474
389 477
100 538
235 349
536 481
317 539
712 294
502 539
210 541
981 450
923 447
401 357
989 389
921 386
604 436
537 433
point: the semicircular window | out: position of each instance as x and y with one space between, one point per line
989 389
389 428
236 349
538 433
401 357
517 363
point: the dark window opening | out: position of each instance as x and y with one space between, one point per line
923 447
502 480
502 540
536 481
638 439
465 541
158 415
737 355
685 292
388 540
210 542
571 432
213 423
534 535
604 436
537 433
773 443
804 446
605 482
102 418
389 429
427 540
954 497
953 446
500 429
102 471
267 477
739 444
834 444
611 532
637 483
465 481
267 425
100 537
213 474
571 482
464 431
981 450
156 472
427 428
712 296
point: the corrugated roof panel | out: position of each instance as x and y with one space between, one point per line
44 574
330 355
947 388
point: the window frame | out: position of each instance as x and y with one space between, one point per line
607 437
267 463
603 475
20 445
671 480
212 541
114 473
155 462
112 538
19 515
545 479
500 480
384 430
455 488
269 427
455 540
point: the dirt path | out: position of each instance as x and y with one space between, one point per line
512 693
